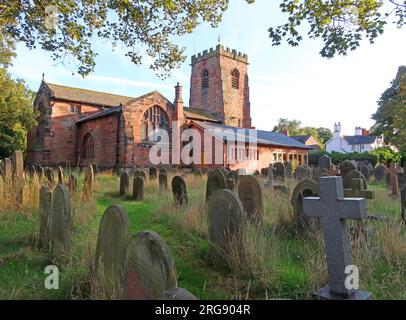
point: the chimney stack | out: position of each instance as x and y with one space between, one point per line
179 115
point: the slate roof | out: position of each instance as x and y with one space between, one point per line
197 114
100 114
302 139
263 137
360 139
87 96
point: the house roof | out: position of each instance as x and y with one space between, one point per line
87 96
100 114
244 135
360 139
197 114
302 139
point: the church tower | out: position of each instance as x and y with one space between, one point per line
219 85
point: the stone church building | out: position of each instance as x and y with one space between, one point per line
77 126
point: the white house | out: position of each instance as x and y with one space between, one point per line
361 141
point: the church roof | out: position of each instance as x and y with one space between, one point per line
87 96
197 114
263 137
100 114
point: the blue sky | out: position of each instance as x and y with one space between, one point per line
286 82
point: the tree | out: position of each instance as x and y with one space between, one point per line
390 118
293 126
65 28
341 24
324 134
17 115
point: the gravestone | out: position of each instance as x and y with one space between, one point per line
288 170
251 196
163 170
72 184
124 183
140 173
333 170
138 188
113 238
324 163
279 171
305 188
380 173
358 190
18 175
333 210
149 268
88 182
393 172
49 175
346 167
178 294
152 173
8 171
61 223
215 181
231 184
179 191
365 171
226 218
60 176
45 213
303 172
347 179
163 181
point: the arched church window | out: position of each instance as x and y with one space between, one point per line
154 118
205 80
235 79
88 147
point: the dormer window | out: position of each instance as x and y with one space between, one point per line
205 80
235 79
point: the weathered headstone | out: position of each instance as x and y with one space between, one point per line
88 182
152 173
346 167
358 190
324 163
333 210
279 171
305 188
45 213
140 173
303 172
61 223
138 188
365 171
8 171
393 172
124 183
149 268
226 218
288 170
380 173
347 179
163 181
60 175
215 181
112 242
251 196
179 191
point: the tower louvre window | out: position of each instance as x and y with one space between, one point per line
205 80
235 79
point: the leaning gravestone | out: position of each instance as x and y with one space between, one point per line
163 181
88 182
347 179
251 196
215 181
8 171
346 167
45 212
149 268
324 163
60 176
179 191
61 223
305 188
124 183
226 218
138 188
113 238
333 210
380 173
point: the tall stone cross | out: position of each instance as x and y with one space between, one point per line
393 171
333 210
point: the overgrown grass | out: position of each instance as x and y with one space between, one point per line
276 261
